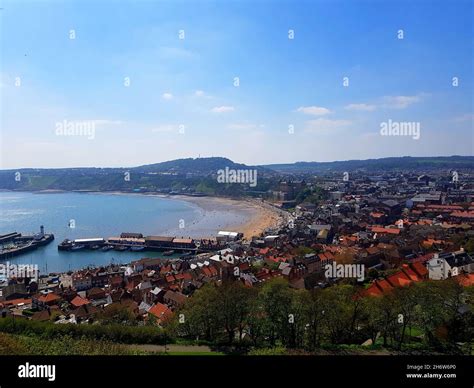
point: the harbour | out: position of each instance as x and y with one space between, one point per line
101 215
136 242
14 244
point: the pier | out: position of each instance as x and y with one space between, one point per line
136 242
14 244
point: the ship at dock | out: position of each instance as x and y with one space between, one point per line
82 243
14 243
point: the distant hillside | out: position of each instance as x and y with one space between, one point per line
191 176
202 166
401 163
199 175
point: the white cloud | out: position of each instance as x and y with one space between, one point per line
401 102
202 94
361 107
313 110
175 53
167 96
222 109
325 125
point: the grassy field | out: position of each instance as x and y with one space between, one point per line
16 344
175 350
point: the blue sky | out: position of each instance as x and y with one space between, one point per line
182 101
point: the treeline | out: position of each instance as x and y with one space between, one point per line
434 316
430 316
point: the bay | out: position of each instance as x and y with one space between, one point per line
100 215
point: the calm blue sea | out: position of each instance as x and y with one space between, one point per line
95 215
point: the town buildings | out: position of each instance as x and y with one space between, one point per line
401 227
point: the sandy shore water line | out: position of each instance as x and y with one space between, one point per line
260 216
254 216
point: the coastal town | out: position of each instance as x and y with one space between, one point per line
258 191
377 232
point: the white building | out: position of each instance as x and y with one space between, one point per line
445 265
224 236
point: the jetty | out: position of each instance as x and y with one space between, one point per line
14 244
136 242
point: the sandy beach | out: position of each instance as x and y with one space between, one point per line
248 216
106 214
258 216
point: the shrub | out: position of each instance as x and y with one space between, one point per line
114 332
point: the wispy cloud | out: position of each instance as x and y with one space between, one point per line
222 109
313 110
201 94
361 107
402 102
389 102
167 96
170 53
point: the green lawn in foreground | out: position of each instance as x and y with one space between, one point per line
192 354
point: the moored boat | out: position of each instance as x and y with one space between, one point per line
65 245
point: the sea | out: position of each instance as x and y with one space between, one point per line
89 215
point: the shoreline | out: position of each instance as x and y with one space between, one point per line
260 216
249 216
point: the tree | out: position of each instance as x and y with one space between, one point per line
389 314
373 316
373 274
256 321
117 313
276 299
314 310
297 320
343 312
469 245
232 307
200 314
406 303
430 311
458 313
